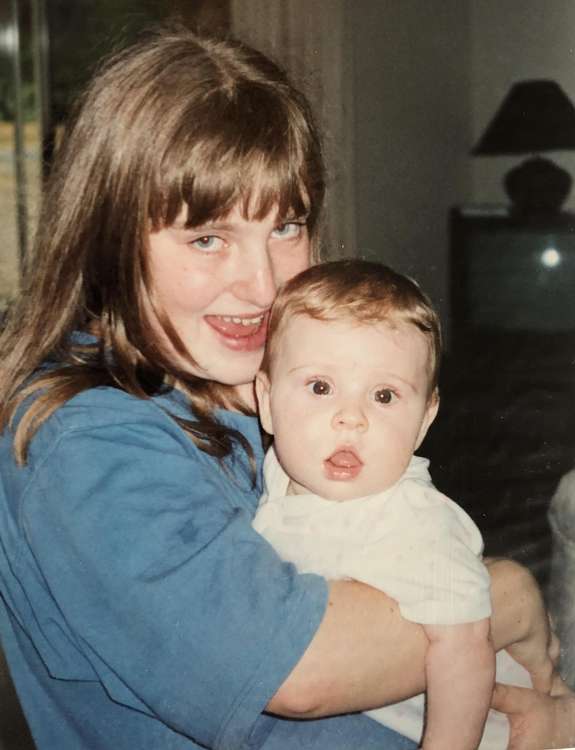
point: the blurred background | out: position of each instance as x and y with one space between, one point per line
404 90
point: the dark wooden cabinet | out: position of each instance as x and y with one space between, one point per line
506 428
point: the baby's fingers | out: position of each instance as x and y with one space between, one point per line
543 678
558 686
554 648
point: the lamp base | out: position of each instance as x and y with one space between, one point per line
537 186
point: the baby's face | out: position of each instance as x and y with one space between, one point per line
347 404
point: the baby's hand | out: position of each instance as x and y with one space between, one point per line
543 677
538 652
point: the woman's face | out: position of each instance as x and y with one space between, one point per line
216 284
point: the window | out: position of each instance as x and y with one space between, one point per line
22 108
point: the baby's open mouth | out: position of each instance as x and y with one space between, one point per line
343 464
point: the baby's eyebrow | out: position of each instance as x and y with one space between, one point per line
410 385
397 378
315 368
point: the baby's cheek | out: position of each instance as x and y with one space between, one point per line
297 438
394 445
295 415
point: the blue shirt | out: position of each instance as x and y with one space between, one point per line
142 611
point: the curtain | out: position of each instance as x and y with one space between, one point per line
309 38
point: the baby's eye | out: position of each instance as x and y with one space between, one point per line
319 387
384 395
207 243
289 229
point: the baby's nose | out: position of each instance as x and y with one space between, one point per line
350 416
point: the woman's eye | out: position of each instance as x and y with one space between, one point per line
208 242
289 229
319 387
384 395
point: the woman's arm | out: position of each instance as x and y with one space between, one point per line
365 655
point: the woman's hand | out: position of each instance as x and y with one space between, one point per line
537 721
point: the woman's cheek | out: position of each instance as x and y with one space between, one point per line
192 296
288 264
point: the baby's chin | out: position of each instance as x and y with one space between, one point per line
339 491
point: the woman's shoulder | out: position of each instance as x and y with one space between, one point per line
108 421
117 417
104 405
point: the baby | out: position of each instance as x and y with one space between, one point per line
348 389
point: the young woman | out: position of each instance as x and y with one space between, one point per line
139 608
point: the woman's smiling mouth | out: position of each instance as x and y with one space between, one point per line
240 332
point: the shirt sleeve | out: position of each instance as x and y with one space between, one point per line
425 552
157 579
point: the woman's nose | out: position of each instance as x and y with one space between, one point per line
350 416
256 281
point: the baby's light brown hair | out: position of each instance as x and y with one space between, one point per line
358 290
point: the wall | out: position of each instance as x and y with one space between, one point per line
512 41
391 82
412 118
423 80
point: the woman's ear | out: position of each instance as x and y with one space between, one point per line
428 417
263 397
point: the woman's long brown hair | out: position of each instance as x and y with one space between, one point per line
176 121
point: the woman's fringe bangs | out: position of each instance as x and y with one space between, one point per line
222 171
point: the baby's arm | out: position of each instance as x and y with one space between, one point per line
460 673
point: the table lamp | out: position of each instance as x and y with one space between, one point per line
535 116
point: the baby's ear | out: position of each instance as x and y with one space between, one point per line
263 397
430 414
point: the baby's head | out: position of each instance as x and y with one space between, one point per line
348 385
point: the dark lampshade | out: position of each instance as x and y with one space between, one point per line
535 116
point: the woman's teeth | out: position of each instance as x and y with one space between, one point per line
243 321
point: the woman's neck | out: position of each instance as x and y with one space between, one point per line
247 394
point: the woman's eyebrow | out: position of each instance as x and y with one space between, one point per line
215 224
207 226
292 215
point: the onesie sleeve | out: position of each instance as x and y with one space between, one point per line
156 578
425 552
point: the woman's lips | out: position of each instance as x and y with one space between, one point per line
244 333
344 464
